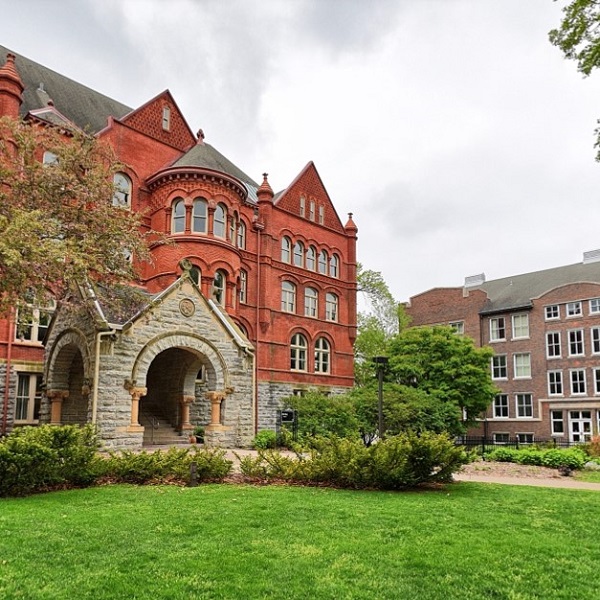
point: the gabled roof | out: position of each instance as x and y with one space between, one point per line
84 107
206 156
518 291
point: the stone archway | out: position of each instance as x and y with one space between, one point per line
68 380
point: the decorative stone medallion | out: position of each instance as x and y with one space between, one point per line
187 307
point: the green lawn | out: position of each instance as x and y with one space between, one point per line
468 541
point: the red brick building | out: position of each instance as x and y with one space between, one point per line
281 266
544 328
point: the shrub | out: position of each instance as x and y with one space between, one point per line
572 458
37 458
502 455
555 458
265 439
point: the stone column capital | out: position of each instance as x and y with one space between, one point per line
57 395
137 392
215 396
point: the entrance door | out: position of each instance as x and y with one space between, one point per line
580 425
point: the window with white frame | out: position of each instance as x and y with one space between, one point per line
578 382
298 352
310 302
322 356
520 326
323 261
219 287
122 191
522 362
524 404
299 254
557 422
574 309
501 406
321 215
241 235
594 306
576 342
232 228
525 438
243 291
178 216
286 249
302 206
311 258
288 297
497 329
595 334
499 369
331 307
553 344
552 312
501 438
458 326
311 210
220 221
28 400
33 321
334 266
555 383
200 216
597 380
166 118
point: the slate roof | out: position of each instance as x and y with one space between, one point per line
205 155
119 303
518 291
88 109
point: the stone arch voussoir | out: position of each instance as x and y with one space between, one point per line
60 356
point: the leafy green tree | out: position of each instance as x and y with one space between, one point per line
58 224
579 39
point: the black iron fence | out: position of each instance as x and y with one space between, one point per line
486 444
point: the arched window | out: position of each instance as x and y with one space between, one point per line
322 356
288 297
298 352
286 249
178 224
219 288
323 260
232 228
241 235
311 258
243 291
334 266
220 221
196 274
299 254
199 216
331 307
311 297
122 190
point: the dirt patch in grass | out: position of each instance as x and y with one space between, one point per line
505 469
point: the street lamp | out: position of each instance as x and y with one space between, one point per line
381 363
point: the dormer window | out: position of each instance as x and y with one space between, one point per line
166 118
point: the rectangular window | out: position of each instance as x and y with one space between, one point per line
595 340
520 326
524 406
594 306
525 438
32 323
29 396
501 406
574 309
166 118
459 327
597 381
576 342
499 370
311 210
501 438
553 344
522 365
302 206
558 424
321 215
497 329
552 312
555 384
578 382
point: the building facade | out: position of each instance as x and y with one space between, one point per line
255 299
544 328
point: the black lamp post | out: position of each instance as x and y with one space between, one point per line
381 362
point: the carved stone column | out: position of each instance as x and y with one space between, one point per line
215 408
136 394
56 398
185 402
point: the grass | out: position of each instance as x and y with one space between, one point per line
589 476
467 541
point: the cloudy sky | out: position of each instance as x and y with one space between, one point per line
458 136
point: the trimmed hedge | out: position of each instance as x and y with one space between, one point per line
398 462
